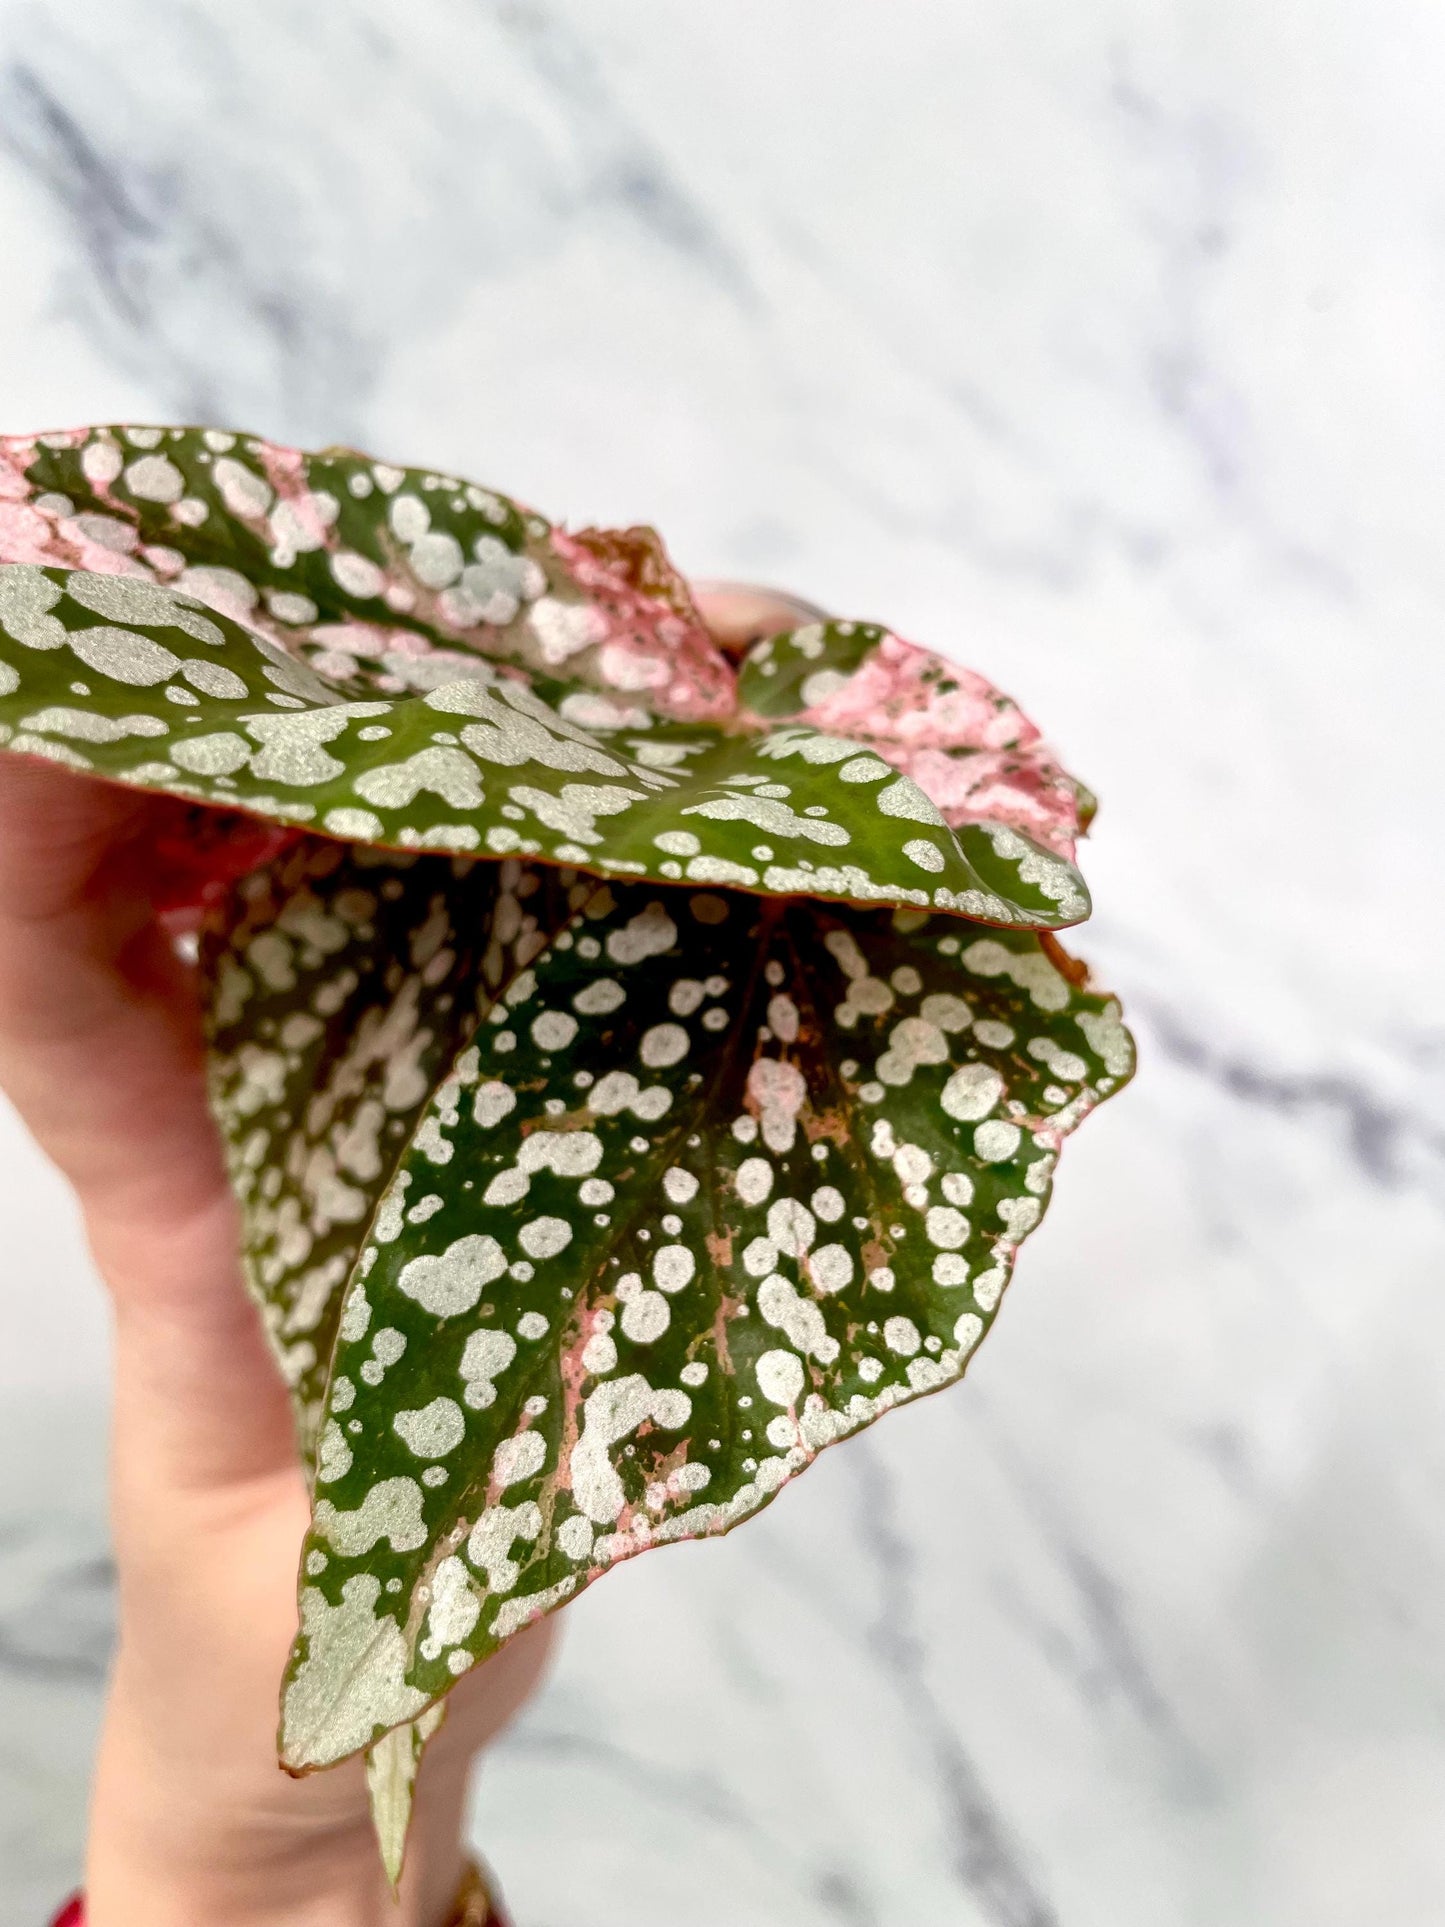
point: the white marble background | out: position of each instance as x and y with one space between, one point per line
1103 346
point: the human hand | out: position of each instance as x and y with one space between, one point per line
102 1052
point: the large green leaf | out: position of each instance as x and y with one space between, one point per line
305 638
716 1183
641 1067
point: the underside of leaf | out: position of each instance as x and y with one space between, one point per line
391 1769
342 984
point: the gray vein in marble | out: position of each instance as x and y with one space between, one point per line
57 1606
1099 1646
846 1901
1204 167
1390 1144
625 167
161 220
695 1793
698 1792
987 1864
1192 223
19 1658
42 135
148 241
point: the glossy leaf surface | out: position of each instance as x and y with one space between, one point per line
397 657
717 1182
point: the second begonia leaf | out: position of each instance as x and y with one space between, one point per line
717 1182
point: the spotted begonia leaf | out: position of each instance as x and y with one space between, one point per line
639 1059
342 984
399 658
717 1182
968 747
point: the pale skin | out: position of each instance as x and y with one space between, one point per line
101 1053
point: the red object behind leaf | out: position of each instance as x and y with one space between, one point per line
196 852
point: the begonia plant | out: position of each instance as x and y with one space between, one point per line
638 1060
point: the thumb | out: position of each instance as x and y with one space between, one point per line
100 1033
738 614
102 1052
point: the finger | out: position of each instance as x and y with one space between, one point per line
100 1037
738 614
56 829
101 1048
200 1403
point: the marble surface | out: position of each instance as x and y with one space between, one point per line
1099 345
